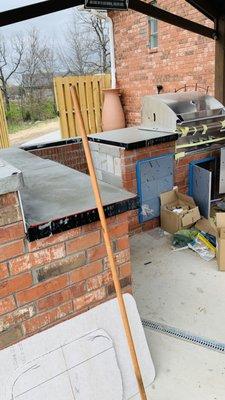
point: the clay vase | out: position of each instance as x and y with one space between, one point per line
112 111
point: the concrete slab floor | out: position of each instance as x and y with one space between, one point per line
185 371
181 290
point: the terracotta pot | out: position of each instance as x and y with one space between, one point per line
112 111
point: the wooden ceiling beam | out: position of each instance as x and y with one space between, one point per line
49 6
166 16
205 7
36 10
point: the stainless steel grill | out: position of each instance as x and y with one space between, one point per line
199 118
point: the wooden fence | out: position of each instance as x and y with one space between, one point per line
89 89
4 134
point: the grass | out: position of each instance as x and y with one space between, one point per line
16 127
19 126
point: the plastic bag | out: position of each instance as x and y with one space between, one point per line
182 238
204 252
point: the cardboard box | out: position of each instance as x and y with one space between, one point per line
172 221
220 240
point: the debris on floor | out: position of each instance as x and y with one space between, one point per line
183 238
177 211
203 248
198 241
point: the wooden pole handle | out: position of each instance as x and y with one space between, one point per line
112 264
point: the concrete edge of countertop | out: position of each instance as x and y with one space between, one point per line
114 138
133 138
53 143
11 178
50 199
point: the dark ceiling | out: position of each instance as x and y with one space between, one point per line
211 8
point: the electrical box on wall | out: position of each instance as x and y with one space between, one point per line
107 4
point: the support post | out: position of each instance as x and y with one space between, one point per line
220 62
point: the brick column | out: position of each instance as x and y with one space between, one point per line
12 245
49 280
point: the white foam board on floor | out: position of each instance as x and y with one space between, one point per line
85 358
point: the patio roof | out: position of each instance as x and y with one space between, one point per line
214 10
211 9
44 7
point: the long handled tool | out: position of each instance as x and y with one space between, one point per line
112 264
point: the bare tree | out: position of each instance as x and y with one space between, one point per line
11 54
87 46
75 57
37 69
99 29
38 61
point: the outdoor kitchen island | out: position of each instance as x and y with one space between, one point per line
116 155
53 262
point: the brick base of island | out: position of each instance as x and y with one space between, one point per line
116 153
56 268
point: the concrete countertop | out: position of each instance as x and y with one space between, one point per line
57 198
11 179
133 138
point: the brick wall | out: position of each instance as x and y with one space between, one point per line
117 166
181 57
71 154
52 279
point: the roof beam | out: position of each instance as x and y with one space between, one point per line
205 7
36 10
166 16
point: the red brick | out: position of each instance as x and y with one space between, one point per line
41 257
10 215
124 282
83 242
8 199
15 284
152 224
41 321
85 272
125 270
11 232
118 230
11 250
41 290
16 317
78 289
4 273
71 155
91 227
122 217
140 69
120 258
99 280
123 243
50 241
7 304
54 300
89 298
96 253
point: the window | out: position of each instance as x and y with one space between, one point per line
153 30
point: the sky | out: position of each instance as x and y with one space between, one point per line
51 24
